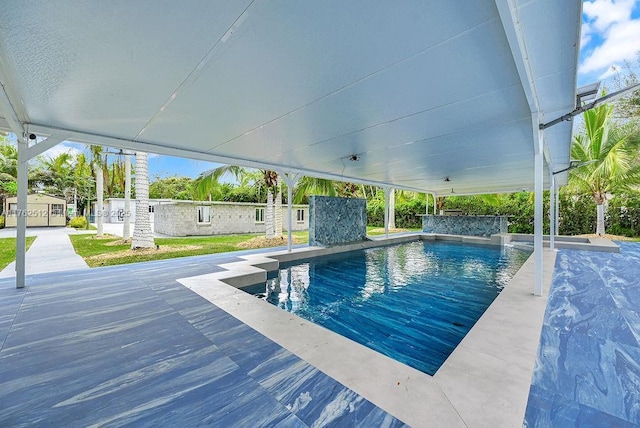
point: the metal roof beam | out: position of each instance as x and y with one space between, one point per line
123 143
46 144
508 11
10 114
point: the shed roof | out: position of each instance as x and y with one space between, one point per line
32 196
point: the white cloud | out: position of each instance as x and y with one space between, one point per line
604 13
585 37
61 148
610 21
621 44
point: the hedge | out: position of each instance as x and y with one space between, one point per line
407 213
577 212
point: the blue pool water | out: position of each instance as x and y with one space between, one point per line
413 302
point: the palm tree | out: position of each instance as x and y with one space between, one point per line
8 159
209 181
392 208
142 234
606 154
270 181
58 174
208 184
314 186
83 185
97 164
8 170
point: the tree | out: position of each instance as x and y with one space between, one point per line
307 186
258 186
172 188
142 234
8 170
392 208
97 164
56 174
606 153
208 183
628 106
8 158
83 183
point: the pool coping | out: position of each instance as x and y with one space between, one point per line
484 382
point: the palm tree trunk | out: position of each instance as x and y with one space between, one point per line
142 234
99 212
392 209
600 220
268 221
126 227
278 211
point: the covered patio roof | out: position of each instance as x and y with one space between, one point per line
406 95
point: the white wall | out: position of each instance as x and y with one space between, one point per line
114 209
180 218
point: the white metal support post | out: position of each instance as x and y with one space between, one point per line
552 210
21 233
557 219
537 236
387 194
290 181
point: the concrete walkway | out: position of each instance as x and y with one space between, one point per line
50 252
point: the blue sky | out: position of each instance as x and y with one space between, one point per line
610 36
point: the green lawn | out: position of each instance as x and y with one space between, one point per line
108 251
376 231
8 250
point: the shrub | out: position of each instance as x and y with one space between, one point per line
1 222
78 222
408 213
577 212
623 215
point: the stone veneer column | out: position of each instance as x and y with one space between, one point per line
336 221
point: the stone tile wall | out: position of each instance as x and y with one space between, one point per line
470 225
180 219
335 221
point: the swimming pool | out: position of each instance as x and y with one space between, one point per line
413 302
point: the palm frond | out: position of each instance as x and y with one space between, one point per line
208 182
311 185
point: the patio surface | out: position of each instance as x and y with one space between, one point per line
588 366
129 345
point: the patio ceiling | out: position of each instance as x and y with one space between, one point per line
416 91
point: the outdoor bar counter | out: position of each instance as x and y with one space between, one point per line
470 225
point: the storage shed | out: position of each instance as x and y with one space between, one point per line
42 210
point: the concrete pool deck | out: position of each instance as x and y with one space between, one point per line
485 381
128 344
